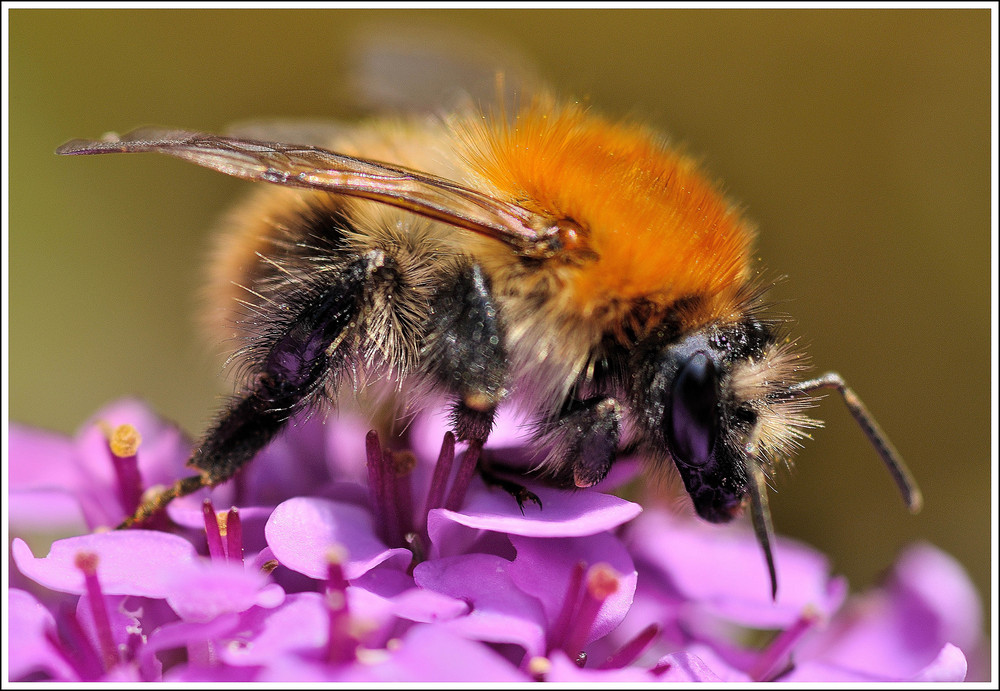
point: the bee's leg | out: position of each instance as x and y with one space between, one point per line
464 349
492 477
299 354
584 440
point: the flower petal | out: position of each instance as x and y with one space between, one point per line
55 512
949 665
563 670
302 530
893 632
432 654
40 459
211 588
721 569
543 567
500 611
129 562
562 514
301 624
28 648
936 598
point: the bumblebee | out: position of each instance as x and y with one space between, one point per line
574 264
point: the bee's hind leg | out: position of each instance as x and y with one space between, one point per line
302 346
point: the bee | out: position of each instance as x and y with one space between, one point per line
544 254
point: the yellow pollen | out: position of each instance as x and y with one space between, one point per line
124 441
336 554
539 666
602 581
222 518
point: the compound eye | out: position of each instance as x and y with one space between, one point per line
693 419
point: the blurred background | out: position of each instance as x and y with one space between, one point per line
858 140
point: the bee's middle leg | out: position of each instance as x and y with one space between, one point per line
465 352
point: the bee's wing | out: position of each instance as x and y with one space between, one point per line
312 131
311 167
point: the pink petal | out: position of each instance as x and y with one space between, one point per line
949 665
543 567
500 611
562 514
28 650
722 570
302 530
130 562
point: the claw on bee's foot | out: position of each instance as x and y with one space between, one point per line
521 494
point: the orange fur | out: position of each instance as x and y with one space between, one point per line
659 229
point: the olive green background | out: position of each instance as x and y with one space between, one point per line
859 140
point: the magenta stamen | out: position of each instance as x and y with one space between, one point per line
123 446
87 563
439 480
234 536
402 467
393 536
464 476
630 652
661 668
776 658
216 549
601 582
335 579
341 646
572 597
74 646
376 483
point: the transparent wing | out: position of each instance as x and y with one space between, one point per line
311 167
309 131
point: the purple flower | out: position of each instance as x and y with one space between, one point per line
67 486
351 560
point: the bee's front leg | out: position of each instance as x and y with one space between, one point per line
584 441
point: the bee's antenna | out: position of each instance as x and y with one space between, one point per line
893 461
760 516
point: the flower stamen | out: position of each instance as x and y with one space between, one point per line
213 531
234 536
601 582
74 646
775 660
539 667
341 646
86 562
630 651
561 625
463 477
401 464
379 489
123 443
439 480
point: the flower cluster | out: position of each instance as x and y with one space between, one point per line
350 561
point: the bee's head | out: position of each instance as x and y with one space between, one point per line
719 401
